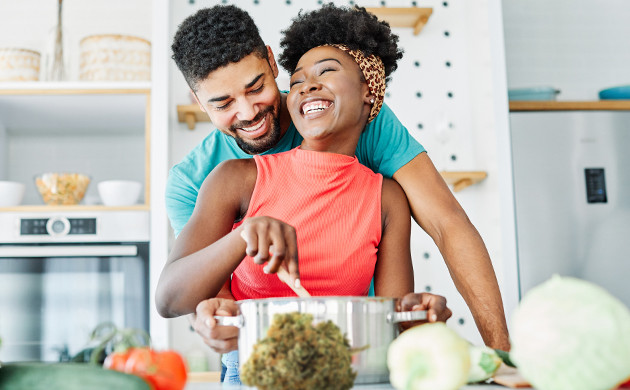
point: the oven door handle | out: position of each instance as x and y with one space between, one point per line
69 251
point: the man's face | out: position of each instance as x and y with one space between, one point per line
243 101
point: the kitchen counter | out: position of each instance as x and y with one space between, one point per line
385 386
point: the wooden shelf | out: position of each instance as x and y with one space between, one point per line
73 88
191 114
460 180
79 207
552 105
412 17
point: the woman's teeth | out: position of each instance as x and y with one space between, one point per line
256 126
315 107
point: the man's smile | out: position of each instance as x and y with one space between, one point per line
255 127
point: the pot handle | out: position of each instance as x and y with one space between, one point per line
237 321
404 316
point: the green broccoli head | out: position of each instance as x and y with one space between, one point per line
297 355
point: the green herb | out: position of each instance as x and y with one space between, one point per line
297 355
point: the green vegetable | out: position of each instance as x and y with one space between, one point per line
66 376
571 334
107 338
430 356
505 356
296 355
484 362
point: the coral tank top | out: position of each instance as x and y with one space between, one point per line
334 203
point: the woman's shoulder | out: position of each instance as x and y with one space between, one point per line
232 176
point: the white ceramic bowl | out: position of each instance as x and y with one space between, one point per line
119 192
11 193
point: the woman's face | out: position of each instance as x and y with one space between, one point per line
328 97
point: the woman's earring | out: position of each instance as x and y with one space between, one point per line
372 101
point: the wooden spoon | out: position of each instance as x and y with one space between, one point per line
284 276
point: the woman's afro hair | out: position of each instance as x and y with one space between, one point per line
353 27
212 38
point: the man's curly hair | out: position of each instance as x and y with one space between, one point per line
353 27
212 38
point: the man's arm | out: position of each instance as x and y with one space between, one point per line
436 210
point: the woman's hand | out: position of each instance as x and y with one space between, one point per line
271 241
221 339
435 305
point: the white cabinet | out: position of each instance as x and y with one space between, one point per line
102 130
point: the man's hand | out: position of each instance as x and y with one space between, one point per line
435 305
221 339
271 241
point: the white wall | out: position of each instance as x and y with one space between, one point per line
28 23
460 132
576 46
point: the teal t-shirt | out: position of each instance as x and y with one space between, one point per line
384 147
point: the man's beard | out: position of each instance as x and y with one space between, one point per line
264 142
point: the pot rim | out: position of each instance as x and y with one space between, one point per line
345 298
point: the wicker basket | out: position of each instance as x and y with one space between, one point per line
19 64
114 58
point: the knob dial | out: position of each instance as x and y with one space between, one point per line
58 226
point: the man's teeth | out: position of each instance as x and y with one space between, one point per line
255 127
314 107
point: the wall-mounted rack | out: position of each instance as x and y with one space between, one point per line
191 114
412 17
462 179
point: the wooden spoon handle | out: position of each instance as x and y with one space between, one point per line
284 276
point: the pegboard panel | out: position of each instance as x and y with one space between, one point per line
440 77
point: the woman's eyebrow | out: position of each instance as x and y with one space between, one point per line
319 62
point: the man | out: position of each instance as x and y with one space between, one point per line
232 74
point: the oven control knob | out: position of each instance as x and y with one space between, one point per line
58 226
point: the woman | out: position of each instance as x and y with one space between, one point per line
348 223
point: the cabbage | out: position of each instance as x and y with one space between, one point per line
484 362
571 334
429 356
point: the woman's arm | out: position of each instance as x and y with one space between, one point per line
207 251
393 275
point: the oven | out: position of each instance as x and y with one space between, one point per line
63 273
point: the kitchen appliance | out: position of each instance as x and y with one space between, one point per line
367 322
572 197
64 272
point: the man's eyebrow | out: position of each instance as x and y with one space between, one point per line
319 62
248 85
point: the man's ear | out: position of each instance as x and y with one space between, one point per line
272 62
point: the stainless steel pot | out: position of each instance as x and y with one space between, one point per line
366 321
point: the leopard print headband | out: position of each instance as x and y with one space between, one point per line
374 73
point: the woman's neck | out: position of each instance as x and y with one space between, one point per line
333 143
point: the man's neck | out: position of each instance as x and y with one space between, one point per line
283 115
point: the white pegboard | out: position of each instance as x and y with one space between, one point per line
441 91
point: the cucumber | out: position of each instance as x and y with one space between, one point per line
505 356
66 376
